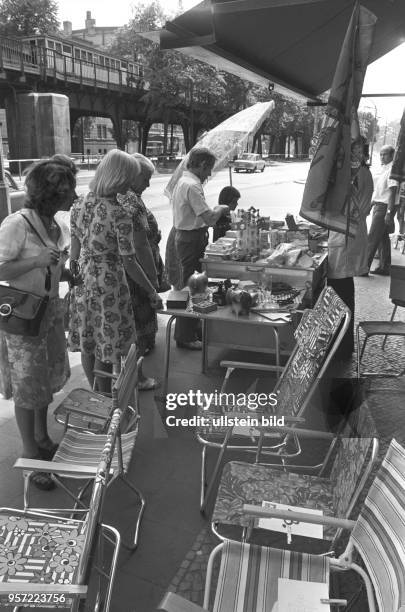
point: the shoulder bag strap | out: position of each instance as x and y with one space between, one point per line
48 269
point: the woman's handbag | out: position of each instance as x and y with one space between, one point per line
21 312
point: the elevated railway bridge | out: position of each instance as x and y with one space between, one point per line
92 83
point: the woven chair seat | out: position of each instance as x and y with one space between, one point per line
245 483
240 590
81 448
381 328
33 550
85 400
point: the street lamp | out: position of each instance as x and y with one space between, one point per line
4 195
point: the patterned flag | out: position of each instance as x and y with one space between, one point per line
327 194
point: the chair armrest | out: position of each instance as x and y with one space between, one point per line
174 603
304 517
245 365
27 587
293 419
37 465
306 433
105 375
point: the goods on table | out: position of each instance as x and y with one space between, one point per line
177 299
253 238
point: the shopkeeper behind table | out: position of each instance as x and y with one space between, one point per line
191 218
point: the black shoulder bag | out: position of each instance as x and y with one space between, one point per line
21 312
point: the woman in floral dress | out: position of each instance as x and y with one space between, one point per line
149 257
102 324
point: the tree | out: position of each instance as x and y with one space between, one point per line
368 126
178 84
27 17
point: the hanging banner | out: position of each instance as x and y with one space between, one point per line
327 194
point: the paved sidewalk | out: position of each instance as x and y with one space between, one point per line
166 464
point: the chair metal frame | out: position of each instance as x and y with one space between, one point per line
292 414
320 469
95 534
384 328
125 399
359 543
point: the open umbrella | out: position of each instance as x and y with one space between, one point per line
227 139
327 194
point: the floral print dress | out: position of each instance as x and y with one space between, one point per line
101 314
145 316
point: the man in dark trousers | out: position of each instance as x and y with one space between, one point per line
384 207
191 218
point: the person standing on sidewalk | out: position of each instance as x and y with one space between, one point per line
348 257
191 218
382 224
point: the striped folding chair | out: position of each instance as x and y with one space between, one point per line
255 578
317 337
78 452
48 561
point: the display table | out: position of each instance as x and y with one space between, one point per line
310 280
242 329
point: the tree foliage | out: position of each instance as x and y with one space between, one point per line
28 17
180 85
368 126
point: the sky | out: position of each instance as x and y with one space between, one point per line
386 75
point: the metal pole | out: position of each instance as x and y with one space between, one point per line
4 195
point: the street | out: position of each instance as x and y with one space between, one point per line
276 192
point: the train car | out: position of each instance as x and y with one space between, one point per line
60 55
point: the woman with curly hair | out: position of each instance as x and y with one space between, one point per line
33 250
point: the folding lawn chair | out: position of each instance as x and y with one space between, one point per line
384 328
78 452
87 410
51 562
256 578
348 462
317 337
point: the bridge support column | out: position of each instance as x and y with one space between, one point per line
116 119
38 125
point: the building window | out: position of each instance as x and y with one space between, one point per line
99 132
67 49
104 131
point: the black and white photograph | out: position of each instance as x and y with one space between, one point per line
202 305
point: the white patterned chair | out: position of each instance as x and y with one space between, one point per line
48 561
332 488
249 575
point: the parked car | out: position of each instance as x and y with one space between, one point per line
249 162
17 194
